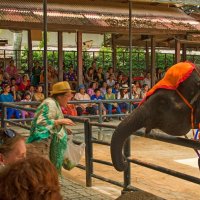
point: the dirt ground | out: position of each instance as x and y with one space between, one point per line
159 184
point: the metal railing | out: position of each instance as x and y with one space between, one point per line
89 140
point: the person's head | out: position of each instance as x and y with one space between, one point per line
39 89
110 70
13 81
31 88
12 146
145 87
120 77
90 71
97 92
104 84
25 77
136 83
81 89
6 88
111 76
27 96
124 88
61 91
34 178
12 62
37 64
109 90
117 86
93 85
100 70
94 64
134 88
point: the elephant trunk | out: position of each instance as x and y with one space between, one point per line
135 121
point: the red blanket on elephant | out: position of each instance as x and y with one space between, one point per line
173 77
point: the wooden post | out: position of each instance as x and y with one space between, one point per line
114 53
184 52
177 51
147 57
153 60
79 58
60 56
30 53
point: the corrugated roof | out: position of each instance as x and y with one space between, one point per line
97 18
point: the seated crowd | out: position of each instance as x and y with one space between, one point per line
97 85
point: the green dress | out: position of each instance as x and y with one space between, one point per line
43 127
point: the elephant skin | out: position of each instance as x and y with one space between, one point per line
164 110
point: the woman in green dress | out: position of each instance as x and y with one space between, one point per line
49 125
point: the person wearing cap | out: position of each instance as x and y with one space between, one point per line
49 124
83 107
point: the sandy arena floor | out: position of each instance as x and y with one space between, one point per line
170 156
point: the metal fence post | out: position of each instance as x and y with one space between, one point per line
3 116
127 172
88 153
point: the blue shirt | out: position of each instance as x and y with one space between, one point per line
6 98
94 97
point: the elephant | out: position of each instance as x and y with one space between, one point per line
164 110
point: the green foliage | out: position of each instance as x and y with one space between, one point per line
103 58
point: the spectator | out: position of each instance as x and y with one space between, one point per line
38 95
91 88
144 91
80 96
25 83
13 83
103 89
36 72
123 94
7 97
99 76
49 124
12 147
111 81
27 98
11 70
89 77
110 72
32 178
116 89
137 84
31 90
109 106
135 95
147 80
120 80
97 96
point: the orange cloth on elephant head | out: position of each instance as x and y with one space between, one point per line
173 77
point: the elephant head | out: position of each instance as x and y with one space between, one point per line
164 110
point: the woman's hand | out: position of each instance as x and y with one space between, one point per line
64 121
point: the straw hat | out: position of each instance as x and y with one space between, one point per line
124 86
61 87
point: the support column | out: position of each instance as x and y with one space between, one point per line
79 58
147 57
184 52
60 56
46 88
153 60
177 51
30 53
114 53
